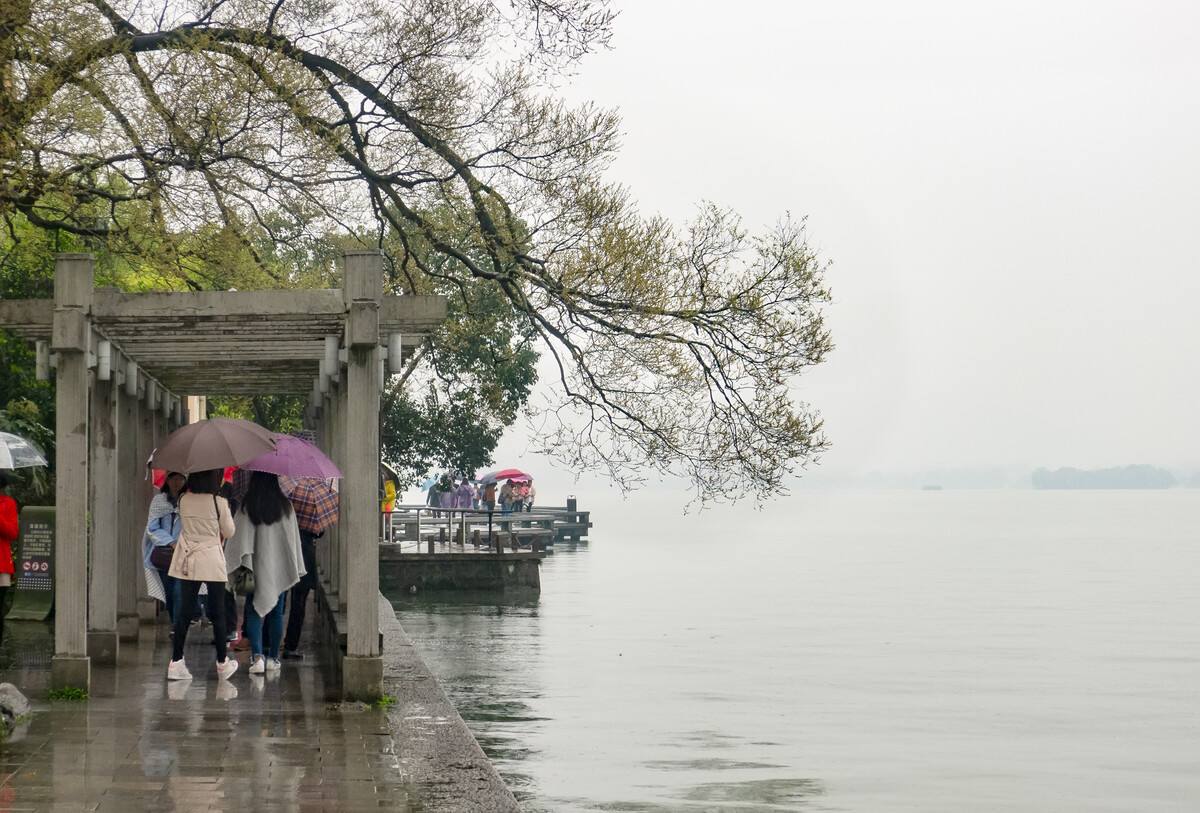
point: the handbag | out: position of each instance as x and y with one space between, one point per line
161 555
241 580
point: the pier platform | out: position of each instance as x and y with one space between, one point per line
257 743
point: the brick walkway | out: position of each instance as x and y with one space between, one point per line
256 743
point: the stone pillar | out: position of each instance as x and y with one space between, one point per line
106 527
343 544
333 535
326 544
362 668
70 666
143 487
131 514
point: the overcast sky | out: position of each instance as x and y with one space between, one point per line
1008 192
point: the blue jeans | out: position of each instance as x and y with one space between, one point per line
252 625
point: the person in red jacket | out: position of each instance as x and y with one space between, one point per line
9 528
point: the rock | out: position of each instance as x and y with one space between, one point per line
13 705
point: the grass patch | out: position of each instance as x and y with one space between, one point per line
385 701
68 693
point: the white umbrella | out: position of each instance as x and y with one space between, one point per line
18 453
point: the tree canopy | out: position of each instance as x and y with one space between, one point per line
429 128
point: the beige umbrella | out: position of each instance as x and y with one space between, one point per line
213 444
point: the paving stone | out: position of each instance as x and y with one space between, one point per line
140 743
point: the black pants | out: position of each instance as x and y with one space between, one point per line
299 595
188 591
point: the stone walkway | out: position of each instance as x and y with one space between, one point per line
255 743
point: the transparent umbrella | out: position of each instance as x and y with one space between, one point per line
18 453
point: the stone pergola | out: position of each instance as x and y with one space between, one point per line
123 364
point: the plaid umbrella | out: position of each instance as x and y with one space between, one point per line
315 502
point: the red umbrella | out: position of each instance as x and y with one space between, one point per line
508 474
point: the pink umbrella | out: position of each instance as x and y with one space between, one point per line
294 457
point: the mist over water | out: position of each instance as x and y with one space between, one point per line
864 651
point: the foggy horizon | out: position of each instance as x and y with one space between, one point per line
1003 192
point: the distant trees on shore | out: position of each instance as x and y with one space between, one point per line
1133 476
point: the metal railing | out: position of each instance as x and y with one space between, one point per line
412 526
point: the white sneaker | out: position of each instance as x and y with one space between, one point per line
273 665
258 665
178 671
226 668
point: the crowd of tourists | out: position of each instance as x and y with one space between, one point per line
206 547
457 492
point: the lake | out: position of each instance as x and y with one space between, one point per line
874 651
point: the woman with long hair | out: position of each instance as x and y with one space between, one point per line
266 540
158 542
199 558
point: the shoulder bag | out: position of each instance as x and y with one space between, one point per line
161 555
241 580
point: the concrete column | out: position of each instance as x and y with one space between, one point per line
104 550
334 535
143 486
362 668
343 537
325 545
132 515
70 666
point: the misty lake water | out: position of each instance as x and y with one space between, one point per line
886 651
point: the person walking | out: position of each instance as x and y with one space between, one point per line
199 558
530 493
298 600
266 540
158 543
518 497
464 495
10 529
489 497
506 497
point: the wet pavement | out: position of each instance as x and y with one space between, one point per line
260 743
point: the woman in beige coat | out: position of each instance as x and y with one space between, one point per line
200 559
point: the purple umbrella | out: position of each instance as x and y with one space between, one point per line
294 457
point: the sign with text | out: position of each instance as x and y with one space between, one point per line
34 597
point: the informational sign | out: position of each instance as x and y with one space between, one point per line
34 596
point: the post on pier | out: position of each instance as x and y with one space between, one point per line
102 644
131 513
142 485
71 334
362 669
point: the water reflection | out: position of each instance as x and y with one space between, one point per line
486 650
912 653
